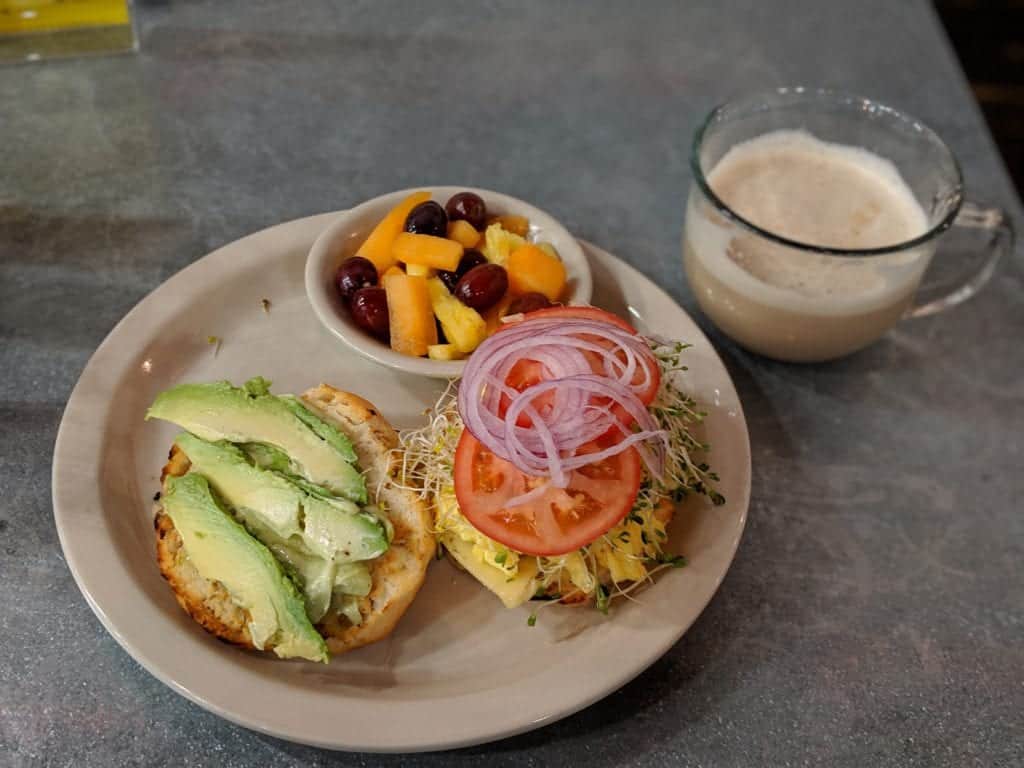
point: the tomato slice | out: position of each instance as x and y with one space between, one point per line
583 313
597 498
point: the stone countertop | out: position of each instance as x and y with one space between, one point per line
875 611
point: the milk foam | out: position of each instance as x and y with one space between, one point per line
794 185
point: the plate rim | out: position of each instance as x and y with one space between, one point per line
63 447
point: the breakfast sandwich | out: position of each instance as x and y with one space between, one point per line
555 467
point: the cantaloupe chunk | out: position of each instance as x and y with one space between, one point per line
409 312
462 231
462 325
427 251
395 270
518 225
377 247
444 352
531 269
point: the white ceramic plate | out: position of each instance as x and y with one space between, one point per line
459 669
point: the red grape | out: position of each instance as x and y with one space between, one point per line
470 258
528 302
482 286
353 274
370 311
427 218
467 206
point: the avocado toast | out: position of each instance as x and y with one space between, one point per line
276 528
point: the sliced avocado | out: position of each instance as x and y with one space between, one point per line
319 580
348 606
249 414
350 534
221 550
353 579
326 431
317 491
331 528
267 457
314 577
316 537
243 486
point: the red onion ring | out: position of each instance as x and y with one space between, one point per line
547 447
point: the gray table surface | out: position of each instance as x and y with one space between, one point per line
874 613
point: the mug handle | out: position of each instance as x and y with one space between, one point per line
993 226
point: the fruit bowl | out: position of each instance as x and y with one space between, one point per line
346 234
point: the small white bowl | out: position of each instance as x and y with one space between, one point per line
344 236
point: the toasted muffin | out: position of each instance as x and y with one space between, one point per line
397 574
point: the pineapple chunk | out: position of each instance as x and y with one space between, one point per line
395 270
462 325
499 244
427 251
418 270
462 231
444 352
377 247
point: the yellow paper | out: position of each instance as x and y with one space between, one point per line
17 16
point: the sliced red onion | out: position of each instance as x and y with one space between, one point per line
564 348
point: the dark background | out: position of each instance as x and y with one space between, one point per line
989 39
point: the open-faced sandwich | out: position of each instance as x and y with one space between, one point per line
555 467
276 527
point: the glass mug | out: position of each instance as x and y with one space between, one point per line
801 302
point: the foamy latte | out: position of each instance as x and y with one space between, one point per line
795 303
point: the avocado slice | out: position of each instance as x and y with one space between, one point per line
316 537
314 576
250 414
221 550
328 527
348 606
320 581
267 457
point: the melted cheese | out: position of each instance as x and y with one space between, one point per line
512 591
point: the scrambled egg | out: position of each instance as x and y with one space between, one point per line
624 554
628 547
449 521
